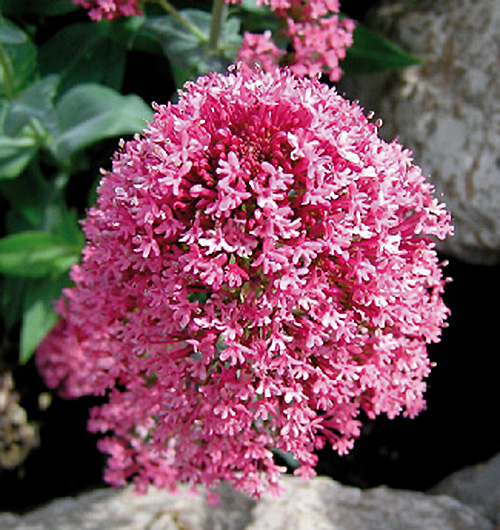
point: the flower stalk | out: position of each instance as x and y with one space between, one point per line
8 74
219 15
182 20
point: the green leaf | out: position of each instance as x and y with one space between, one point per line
90 113
252 7
35 254
231 39
289 459
29 205
69 229
15 155
182 48
39 316
35 106
18 60
11 299
371 52
83 53
36 7
187 54
199 297
44 207
258 19
10 33
123 31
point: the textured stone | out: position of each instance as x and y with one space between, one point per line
446 110
327 505
113 509
321 504
476 486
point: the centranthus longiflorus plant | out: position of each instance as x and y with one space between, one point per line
259 268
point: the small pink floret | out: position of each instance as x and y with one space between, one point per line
110 9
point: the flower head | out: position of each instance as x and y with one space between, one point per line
319 38
259 269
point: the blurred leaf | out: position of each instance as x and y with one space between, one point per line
35 254
199 297
69 229
15 155
182 48
38 314
83 53
36 7
123 31
289 459
232 39
28 205
18 59
90 113
10 33
44 207
258 19
36 102
187 54
11 299
251 6
371 52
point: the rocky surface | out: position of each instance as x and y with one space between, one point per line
447 110
476 486
321 504
17 435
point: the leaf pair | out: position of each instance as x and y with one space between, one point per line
187 53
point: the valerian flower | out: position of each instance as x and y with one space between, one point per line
110 9
318 36
260 268
260 48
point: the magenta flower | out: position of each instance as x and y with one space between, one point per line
110 9
318 37
259 48
259 269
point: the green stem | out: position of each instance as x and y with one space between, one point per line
8 73
41 134
219 14
182 20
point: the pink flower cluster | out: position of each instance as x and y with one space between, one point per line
259 269
319 38
110 9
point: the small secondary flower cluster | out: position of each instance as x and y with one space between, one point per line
110 9
318 37
259 269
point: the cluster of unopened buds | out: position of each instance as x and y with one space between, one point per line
260 269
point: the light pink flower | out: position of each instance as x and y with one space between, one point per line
259 269
260 49
318 37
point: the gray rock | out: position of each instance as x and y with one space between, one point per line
327 505
320 504
446 110
476 486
